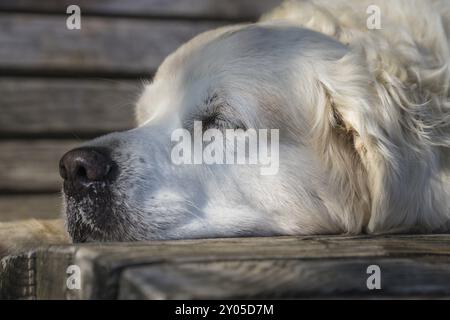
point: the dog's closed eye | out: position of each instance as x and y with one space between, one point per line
215 114
218 120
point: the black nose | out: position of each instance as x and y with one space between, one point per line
87 164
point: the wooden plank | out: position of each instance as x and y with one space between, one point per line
422 277
230 9
17 277
52 277
66 106
120 46
17 207
32 165
102 265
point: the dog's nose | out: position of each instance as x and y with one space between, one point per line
87 164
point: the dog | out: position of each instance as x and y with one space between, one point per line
363 118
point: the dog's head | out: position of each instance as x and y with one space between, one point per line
309 100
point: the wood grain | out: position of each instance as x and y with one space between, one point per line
39 206
32 165
17 277
230 9
66 106
264 267
120 46
288 279
51 273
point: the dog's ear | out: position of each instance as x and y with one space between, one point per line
373 150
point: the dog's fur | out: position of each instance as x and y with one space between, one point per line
364 130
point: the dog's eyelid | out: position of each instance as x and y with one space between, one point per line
209 120
212 114
216 118
211 99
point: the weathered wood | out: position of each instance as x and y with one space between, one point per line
51 273
231 9
109 261
66 106
32 165
17 277
40 206
123 46
424 277
108 270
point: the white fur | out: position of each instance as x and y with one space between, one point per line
363 118
383 169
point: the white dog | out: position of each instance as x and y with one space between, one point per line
364 132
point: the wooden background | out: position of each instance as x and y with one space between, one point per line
59 86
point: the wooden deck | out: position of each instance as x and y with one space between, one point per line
249 268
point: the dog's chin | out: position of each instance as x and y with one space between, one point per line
100 221
83 229
93 222
90 217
